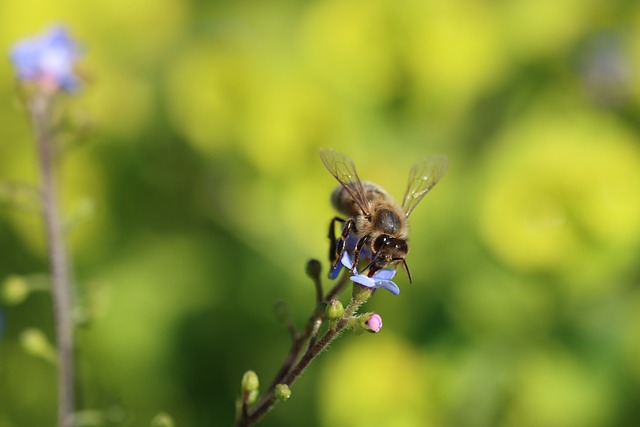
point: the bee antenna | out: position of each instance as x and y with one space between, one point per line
406 268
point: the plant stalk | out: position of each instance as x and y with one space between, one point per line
40 108
290 370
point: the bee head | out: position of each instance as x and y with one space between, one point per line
388 250
392 247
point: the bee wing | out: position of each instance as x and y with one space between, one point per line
344 170
423 176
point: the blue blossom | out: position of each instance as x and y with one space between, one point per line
350 246
47 60
380 279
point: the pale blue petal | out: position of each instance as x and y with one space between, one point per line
346 260
51 55
364 280
388 285
384 274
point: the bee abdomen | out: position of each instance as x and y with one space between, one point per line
344 203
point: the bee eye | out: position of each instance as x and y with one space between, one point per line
381 241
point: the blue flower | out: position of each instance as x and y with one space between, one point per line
47 60
350 246
380 279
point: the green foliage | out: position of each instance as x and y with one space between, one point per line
194 196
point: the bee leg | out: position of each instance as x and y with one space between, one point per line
341 243
356 253
333 240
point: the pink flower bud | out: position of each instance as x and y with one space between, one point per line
374 323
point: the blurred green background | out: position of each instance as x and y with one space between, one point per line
195 195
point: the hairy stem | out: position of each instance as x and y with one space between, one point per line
291 371
40 109
305 335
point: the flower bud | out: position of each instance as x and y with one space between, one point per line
368 322
282 392
15 289
250 381
372 322
251 397
314 268
36 343
334 309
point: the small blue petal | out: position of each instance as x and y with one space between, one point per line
388 285
364 280
386 274
369 282
50 56
335 272
346 260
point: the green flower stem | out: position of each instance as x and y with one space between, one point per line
40 110
317 348
290 372
315 329
299 340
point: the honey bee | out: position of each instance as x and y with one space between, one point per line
373 217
